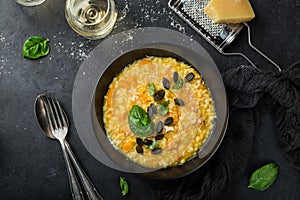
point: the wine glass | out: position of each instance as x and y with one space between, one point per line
30 2
92 19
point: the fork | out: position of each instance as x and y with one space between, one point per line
58 122
59 130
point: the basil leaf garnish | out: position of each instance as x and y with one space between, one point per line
35 47
124 186
263 177
139 121
164 107
178 84
151 89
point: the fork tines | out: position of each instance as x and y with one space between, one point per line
54 112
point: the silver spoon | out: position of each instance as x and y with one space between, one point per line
41 115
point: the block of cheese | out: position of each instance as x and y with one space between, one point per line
229 11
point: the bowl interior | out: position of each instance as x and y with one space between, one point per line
211 76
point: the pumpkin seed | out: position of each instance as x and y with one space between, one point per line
168 121
189 77
153 108
139 149
139 141
159 127
156 151
159 95
148 142
179 102
175 77
166 83
150 111
159 136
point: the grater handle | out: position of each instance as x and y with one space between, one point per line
257 50
253 47
239 54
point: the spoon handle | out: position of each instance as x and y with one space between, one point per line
74 184
86 182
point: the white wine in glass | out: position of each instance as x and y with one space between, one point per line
30 2
92 19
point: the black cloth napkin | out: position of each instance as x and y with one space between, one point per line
246 88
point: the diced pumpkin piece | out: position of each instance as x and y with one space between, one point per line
128 146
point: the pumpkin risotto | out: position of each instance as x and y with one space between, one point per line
158 112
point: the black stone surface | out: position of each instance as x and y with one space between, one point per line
32 166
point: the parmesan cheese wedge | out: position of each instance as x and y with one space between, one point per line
229 11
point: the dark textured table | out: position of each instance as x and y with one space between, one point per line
32 166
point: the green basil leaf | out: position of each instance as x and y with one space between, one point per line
263 177
124 186
139 116
164 107
178 84
139 121
151 89
35 47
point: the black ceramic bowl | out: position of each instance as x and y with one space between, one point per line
107 60
211 78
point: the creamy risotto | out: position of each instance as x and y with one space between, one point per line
158 112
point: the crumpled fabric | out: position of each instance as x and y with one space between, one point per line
245 87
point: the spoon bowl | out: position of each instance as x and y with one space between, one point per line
40 114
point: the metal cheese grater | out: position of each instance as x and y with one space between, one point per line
218 35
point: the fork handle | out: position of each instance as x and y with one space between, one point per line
86 182
74 184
